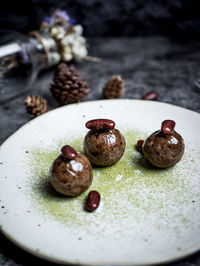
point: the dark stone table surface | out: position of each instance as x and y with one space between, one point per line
171 68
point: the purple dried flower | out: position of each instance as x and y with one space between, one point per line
24 57
47 20
63 14
72 21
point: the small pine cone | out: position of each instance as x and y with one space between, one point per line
114 88
67 85
36 105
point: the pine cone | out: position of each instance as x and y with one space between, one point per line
68 87
36 105
114 88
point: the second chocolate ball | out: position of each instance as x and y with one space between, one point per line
104 147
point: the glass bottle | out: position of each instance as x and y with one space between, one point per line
22 57
21 60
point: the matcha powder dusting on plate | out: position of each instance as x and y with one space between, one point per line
132 191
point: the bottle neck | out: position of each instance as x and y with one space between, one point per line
40 50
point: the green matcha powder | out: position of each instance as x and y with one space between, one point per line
132 189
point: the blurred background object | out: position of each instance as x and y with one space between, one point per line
175 18
49 44
22 57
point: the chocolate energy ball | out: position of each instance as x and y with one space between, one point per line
103 145
71 172
165 147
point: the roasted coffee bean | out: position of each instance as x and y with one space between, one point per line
139 145
168 127
152 95
68 152
93 201
100 124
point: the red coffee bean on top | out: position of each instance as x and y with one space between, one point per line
139 145
100 124
93 201
68 152
167 126
152 95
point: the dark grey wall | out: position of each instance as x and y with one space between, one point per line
110 17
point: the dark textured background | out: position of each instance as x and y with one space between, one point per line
174 18
146 63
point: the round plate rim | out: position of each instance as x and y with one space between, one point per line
94 101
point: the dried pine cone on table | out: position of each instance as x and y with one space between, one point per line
67 85
36 105
114 88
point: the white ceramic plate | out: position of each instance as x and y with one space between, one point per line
146 215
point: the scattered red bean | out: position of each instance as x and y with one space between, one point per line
139 145
168 127
100 124
93 201
152 95
68 152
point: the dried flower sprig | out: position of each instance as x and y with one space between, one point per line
71 44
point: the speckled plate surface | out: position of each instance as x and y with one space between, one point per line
146 215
